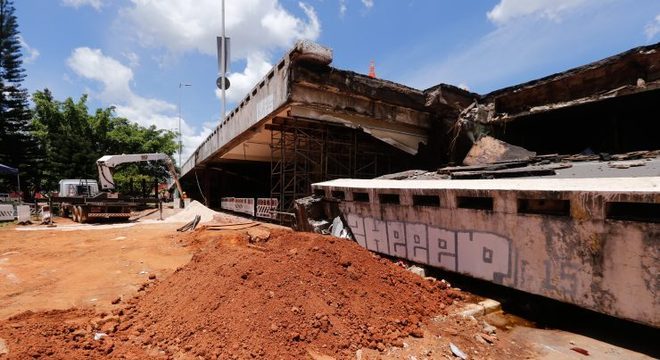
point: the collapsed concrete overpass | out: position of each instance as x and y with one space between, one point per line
575 240
307 122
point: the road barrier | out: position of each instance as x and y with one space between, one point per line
259 207
6 212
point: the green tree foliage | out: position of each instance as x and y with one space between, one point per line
16 145
71 140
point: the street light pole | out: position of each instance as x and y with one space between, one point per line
223 55
181 85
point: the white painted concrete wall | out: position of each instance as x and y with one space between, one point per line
609 266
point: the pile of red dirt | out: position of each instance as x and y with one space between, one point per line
61 334
294 294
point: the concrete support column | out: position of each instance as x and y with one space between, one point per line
206 186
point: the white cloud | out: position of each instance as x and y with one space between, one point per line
253 25
116 79
133 59
257 28
96 4
508 10
93 65
241 83
653 28
31 54
368 4
532 47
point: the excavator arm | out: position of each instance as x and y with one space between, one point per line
107 163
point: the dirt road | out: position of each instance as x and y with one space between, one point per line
54 269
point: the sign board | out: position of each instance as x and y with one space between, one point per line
266 208
241 205
227 203
244 205
23 214
6 212
45 213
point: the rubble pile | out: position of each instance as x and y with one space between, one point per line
294 295
194 208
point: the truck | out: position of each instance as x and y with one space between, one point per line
84 199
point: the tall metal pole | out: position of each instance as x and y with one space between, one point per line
18 179
180 143
223 62
181 85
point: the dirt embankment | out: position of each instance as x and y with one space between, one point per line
302 291
291 297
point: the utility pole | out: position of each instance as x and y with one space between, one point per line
223 63
181 85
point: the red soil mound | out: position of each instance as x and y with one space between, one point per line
302 292
62 334
295 295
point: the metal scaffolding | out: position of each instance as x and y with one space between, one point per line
304 152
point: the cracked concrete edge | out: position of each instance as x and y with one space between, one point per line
481 308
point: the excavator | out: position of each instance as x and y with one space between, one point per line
83 200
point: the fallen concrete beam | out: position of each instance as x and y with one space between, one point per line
589 242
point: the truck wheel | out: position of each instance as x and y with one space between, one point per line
76 213
83 215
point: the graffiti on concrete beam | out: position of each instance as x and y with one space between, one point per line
481 254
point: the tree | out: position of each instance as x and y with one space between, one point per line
16 147
71 140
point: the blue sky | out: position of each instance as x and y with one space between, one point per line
134 53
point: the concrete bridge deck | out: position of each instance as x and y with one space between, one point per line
303 86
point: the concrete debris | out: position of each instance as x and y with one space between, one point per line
634 155
414 175
587 164
489 338
481 308
403 175
417 270
4 350
526 171
306 50
320 226
457 352
358 354
481 339
626 164
338 229
257 235
488 328
488 150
